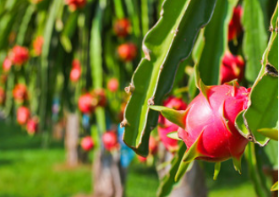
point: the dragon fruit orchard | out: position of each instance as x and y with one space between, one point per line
207 125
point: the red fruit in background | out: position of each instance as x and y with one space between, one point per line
2 95
36 1
127 51
7 64
141 159
153 145
209 123
110 141
235 27
165 126
23 114
76 71
100 96
122 27
20 92
87 103
75 4
232 67
19 55
113 85
87 143
38 45
32 125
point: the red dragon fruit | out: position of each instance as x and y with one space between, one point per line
87 103
127 52
110 140
113 85
32 125
235 27
20 92
38 45
7 64
122 27
100 95
207 125
76 71
2 95
87 143
165 126
75 4
23 114
232 67
19 55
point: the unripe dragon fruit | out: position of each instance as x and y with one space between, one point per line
87 103
122 27
165 126
110 141
127 52
87 143
232 68
207 125
19 55
235 27
23 114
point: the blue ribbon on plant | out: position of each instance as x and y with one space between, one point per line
126 154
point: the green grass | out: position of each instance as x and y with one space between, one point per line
28 170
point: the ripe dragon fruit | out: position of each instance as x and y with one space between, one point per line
165 126
87 143
7 64
76 71
127 52
113 85
32 125
38 45
20 92
207 125
235 27
87 103
23 114
2 95
19 55
110 141
232 68
122 27
75 4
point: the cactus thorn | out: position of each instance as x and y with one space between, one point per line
270 29
146 52
151 101
123 123
130 88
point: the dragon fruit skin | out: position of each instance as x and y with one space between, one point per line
209 123
165 126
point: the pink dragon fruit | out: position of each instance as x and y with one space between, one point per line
207 125
232 67
235 27
165 126
87 143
